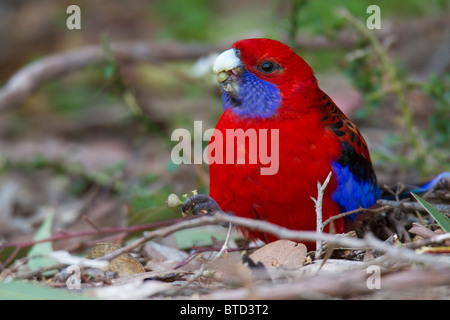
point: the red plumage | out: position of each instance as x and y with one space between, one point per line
308 145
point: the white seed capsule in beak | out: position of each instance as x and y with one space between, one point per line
228 69
222 76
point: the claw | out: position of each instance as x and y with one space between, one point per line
200 204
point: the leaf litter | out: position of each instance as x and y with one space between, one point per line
283 269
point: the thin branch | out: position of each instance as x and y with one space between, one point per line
39 271
318 204
225 243
28 79
359 210
401 254
91 223
104 230
436 239
444 208
202 268
395 253
31 77
199 250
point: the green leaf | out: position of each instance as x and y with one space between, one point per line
147 208
441 219
186 239
39 251
23 290
109 70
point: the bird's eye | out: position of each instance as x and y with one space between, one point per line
267 66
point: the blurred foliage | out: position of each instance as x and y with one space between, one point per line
430 144
150 207
186 20
75 98
365 75
318 17
438 131
379 77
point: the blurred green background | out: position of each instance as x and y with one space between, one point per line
97 142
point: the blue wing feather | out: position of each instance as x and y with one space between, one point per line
357 182
353 192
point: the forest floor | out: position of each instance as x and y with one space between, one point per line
86 170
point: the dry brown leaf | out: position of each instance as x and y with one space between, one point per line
280 255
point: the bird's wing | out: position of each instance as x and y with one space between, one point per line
357 183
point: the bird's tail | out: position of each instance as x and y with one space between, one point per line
441 180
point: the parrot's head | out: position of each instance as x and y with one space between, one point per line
259 76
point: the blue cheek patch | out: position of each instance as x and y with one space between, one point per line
351 192
256 98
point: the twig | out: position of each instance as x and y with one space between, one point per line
318 204
225 243
69 235
444 208
10 258
359 210
103 230
436 239
91 223
397 254
30 77
199 250
38 271
284 233
202 268
420 230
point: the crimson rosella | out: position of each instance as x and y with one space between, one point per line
267 87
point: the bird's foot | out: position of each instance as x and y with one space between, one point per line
200 204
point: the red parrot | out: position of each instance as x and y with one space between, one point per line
267 86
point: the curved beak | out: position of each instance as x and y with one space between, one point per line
228 69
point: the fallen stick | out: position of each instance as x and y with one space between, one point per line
395 253
28 79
